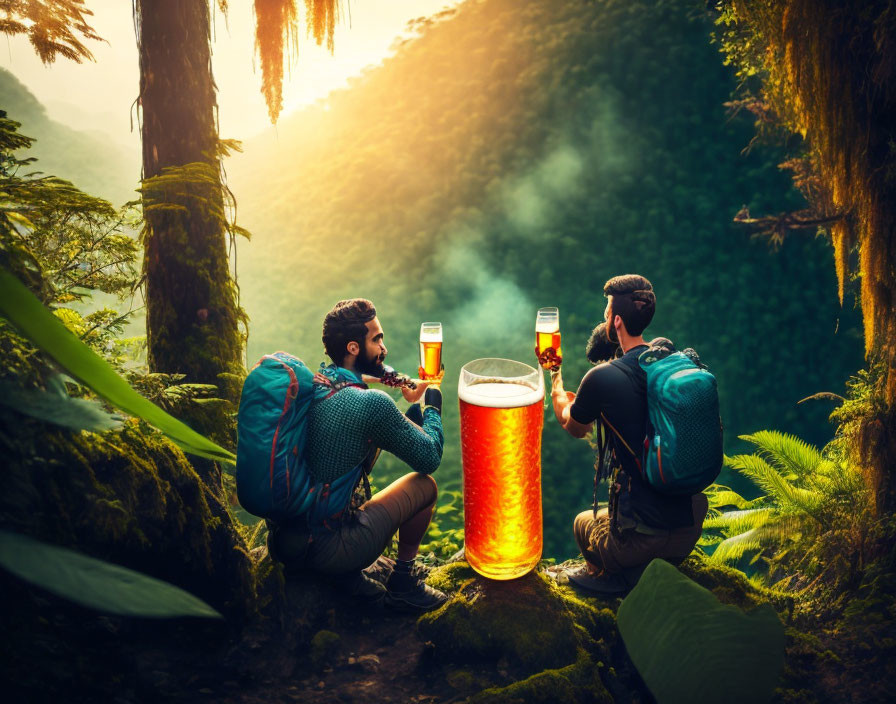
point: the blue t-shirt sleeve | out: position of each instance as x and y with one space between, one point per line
389 429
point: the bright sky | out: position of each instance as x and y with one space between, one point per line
106 89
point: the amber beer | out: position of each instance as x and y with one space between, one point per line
431 349
501 418
547 338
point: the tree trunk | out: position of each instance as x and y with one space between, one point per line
191 311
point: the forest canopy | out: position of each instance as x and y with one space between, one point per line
513 169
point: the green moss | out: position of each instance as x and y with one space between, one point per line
590 613
192 316
795 696
269 579
324 646
731 586
127 496
522 619
464 681
450 577
576 683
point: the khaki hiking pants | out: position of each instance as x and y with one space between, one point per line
364 533
607 552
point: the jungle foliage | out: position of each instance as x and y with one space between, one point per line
825 71
811 525
67 245
53 27
520 155
97 164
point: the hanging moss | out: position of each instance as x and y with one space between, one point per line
828 73
276 40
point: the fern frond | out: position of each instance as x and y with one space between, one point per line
735 547
783 492
787 452
735 522
721 496
706 540
784 529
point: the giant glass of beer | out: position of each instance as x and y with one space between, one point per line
501 417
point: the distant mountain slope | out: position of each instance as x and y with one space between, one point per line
95 164
517 154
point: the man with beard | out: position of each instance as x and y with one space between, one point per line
640 523
348 425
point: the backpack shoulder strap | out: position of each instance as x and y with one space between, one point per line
600 463
622 439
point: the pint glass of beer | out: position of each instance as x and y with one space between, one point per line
547 338
501 418
431 349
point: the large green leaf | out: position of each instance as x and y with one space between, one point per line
689 647
94 583
39 325
61 409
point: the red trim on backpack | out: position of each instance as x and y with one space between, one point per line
291 392
659 461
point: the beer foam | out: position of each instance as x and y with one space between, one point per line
430 336
548 326
500 394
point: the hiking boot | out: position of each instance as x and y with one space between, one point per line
358 585
615 584
380 570
410 593
606 585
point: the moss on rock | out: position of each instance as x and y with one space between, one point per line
128 496
729 585
579 683
324 646
522 619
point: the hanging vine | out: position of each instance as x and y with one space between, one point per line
276 40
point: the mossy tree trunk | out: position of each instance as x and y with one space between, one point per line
829 74
842 63
192 314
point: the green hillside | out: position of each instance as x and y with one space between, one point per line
95 164
515 155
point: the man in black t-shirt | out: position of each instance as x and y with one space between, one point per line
640 522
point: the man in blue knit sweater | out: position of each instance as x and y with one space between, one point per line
346 430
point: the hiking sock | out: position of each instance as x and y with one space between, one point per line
402 580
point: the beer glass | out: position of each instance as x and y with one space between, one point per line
501 419
430 350
547 338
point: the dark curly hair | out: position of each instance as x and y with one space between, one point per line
346 323
633 300
600 348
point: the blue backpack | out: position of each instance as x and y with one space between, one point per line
272 478
683 445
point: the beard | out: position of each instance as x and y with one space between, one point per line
373 366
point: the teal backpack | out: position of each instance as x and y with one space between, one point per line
683 445
272 478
